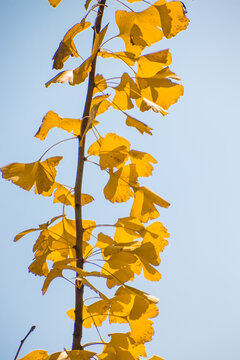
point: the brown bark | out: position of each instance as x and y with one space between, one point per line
77 334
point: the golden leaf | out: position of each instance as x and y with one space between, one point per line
118 187
139 29
127 57
36 355
72 355
103 241
41 175
112 151
62 78
79 354
96 313
147 105
64 196
124 92
150 64
54 3
67 47
159 90
128 229
104 104
100 84
55 272
142 161
41 227
119 348
173 18
143 205
51 120
140 126
79 75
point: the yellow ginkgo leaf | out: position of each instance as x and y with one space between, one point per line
41 227
78 354
96 313
36 355
156 234
103 241
104 104
160 89
62 78
67 47
112 150
127 57
51 120
143 205
140 126
100 84
139 29
128 229
65 196
55 272
142 161
39 174
150 64
54 3
118 187
72 355
121 347
124 92
173 17
146 104
79 75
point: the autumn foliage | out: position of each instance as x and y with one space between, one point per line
66 246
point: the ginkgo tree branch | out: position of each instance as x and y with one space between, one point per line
22 341
77 335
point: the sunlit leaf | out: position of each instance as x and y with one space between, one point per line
64 196
104 104
121 347
36 355
140 126
112 150
147 105
51 120
173 17
41 227
124 92
62 78
96 313
159 89
142 161
41 175
67 47
127 57
79 75
150 64
55 272
72 355
118 187
100 84
143 205
128 229
139 29
103 241
54 3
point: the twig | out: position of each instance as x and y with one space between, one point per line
22 341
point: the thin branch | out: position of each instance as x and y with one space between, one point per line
22 341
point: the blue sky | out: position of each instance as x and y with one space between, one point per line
197 148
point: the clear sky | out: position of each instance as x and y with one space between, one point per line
197 148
